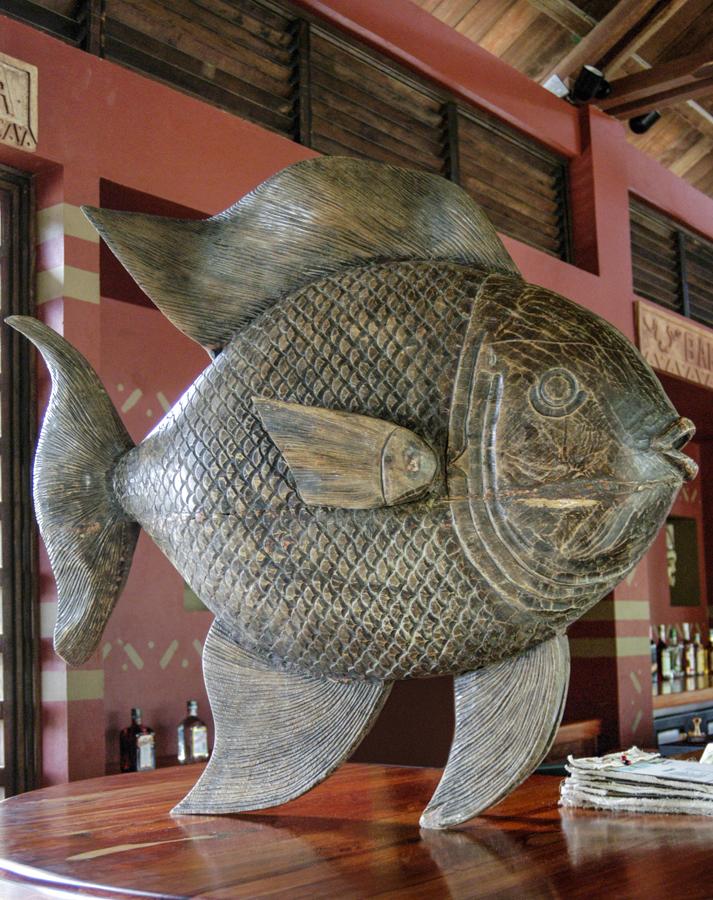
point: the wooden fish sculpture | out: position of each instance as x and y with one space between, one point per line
403 461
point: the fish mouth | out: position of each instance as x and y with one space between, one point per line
670 443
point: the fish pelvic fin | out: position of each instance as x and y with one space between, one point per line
277 733
88 536
314 218
507 715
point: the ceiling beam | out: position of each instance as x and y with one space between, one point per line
604 37
649 29
661 85
702 87
695 114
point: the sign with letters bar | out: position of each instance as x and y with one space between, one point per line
18 103
675 345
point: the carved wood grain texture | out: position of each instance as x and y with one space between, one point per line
276 734
522 697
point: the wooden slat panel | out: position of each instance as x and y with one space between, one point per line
60 21
419 139
520 185
332 141
534 174
647 285
654 252
699 269
238 56
344 63
363 107
334 120
507 206
545 202
140 52
255 19
243 59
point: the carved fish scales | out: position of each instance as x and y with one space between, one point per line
404 461
386 593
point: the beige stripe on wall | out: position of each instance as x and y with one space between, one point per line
619 611
68 282
608 647
64 219
72 684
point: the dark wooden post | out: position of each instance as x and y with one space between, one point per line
303 117
452 158
683 274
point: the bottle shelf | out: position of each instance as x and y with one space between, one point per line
683 691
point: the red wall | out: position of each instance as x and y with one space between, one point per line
101 123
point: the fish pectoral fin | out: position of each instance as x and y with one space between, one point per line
347 460
277 733
507 715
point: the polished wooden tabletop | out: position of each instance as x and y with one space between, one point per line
356 835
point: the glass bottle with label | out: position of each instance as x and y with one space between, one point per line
675 650
689 651
663 657
701 653
192 736
137 745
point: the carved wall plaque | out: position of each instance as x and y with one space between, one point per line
675 345
18 103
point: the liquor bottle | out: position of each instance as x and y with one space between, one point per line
137 744
689 651
663 657
675 650
653 656
701 653
192 736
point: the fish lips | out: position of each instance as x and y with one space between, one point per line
670 444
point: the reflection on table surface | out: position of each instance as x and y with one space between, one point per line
356 835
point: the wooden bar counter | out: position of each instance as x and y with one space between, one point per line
354 836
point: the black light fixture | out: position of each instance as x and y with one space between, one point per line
641 124
589 85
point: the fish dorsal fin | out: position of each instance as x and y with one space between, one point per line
312 219
346 460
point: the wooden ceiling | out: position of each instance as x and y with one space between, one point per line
658 54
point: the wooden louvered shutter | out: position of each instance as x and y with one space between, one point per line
236 54
654 256
521 185
64 19
699 277
362 107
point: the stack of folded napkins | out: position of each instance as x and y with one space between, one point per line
636 781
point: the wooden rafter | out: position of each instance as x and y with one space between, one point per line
662 85
604 37
703 87
644 34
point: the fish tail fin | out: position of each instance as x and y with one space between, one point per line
89 538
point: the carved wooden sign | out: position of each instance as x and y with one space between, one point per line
675 345
18 103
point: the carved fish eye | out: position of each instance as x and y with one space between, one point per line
557 393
